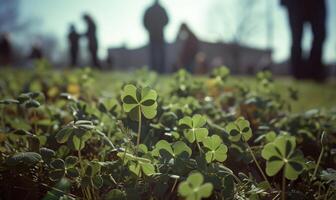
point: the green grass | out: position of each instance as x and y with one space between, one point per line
311 94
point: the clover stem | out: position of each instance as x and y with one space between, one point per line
105 138
85 191
283 197
35 124
172 190
139 131
256 162
199 147
81 171
318 163
327 193
2 116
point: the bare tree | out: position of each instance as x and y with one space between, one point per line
237 21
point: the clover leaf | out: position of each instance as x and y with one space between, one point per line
137 101
75 134
92 176
239 130
194 129
281 154
217 150
174 150
137 164
60 167
26 158
194 189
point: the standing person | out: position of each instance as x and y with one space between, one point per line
92 39
189 48
36 52
5 49
73 39
155 19
314 13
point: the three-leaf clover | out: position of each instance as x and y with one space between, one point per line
194 189
281 153
137 101
239 130
194 128
60 167
75 134
217 150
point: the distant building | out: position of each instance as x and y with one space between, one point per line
240 59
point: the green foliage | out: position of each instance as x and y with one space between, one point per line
137 101
75 134
25 158
71 137
194 189
174 150
239 130
138 165
221 73
280 154
217 150
194 128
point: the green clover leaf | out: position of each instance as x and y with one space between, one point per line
239 130
174 150
26 158
194 129
75 134
137 164
194 189
281 154
137 101
217 150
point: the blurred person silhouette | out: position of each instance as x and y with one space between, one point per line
202 65
73 39
5 49
92 39
36 52
312 12
155 19
189 48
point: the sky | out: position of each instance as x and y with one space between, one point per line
119 22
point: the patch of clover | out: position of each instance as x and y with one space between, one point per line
281 154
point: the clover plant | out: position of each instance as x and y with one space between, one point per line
138 102
194 128
240 130
216 149
194 189
281 154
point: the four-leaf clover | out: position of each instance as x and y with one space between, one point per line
217 150
137 101
194 189
194 129
281 153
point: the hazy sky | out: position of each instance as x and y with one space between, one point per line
120 21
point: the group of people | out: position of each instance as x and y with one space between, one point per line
92 42
300 12
155 20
